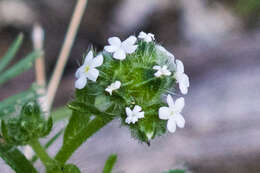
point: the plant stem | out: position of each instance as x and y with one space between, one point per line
65 51
41 153
74 142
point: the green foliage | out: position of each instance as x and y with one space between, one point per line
176 171
70 168
49 143
30 125
61 114
248 7
110 163
249 10
23 65
14 158
79 129
4 61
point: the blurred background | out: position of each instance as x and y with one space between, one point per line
219 43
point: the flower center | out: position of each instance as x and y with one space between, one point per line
87 69
172 113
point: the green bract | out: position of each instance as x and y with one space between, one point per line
30 124
139 86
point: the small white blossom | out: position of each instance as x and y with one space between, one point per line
173 113
181 77
133 115
161 71
88 70
114 86
120 49
146 37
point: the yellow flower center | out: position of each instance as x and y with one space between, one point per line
87 69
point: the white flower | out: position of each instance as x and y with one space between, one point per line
173 113
88 70
120 49
146 37
114 86
161 71
181 77
133 115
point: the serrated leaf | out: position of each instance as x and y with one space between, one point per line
11 52
110 163
15 159
23 65
79 129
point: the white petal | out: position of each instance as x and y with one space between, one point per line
98 61
117 84
81 83
158 74
88 58
108 90
156 67
180 121
130 48
140 115
119 54
79 71
137 109
151 35
130 40
128 120
114 41
180 67
171 125
179 104
142 35
93 74
164 113
167 73
183 88
185 80
148 39
111 49
128 111
170 100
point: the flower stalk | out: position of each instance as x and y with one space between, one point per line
41 153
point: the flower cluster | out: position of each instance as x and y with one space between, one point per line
128 79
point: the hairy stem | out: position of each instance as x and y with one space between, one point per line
41 153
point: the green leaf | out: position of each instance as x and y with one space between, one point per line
61 114
15 159
23 65
110 163
11 52
10 104
175 171
70 168
79 129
